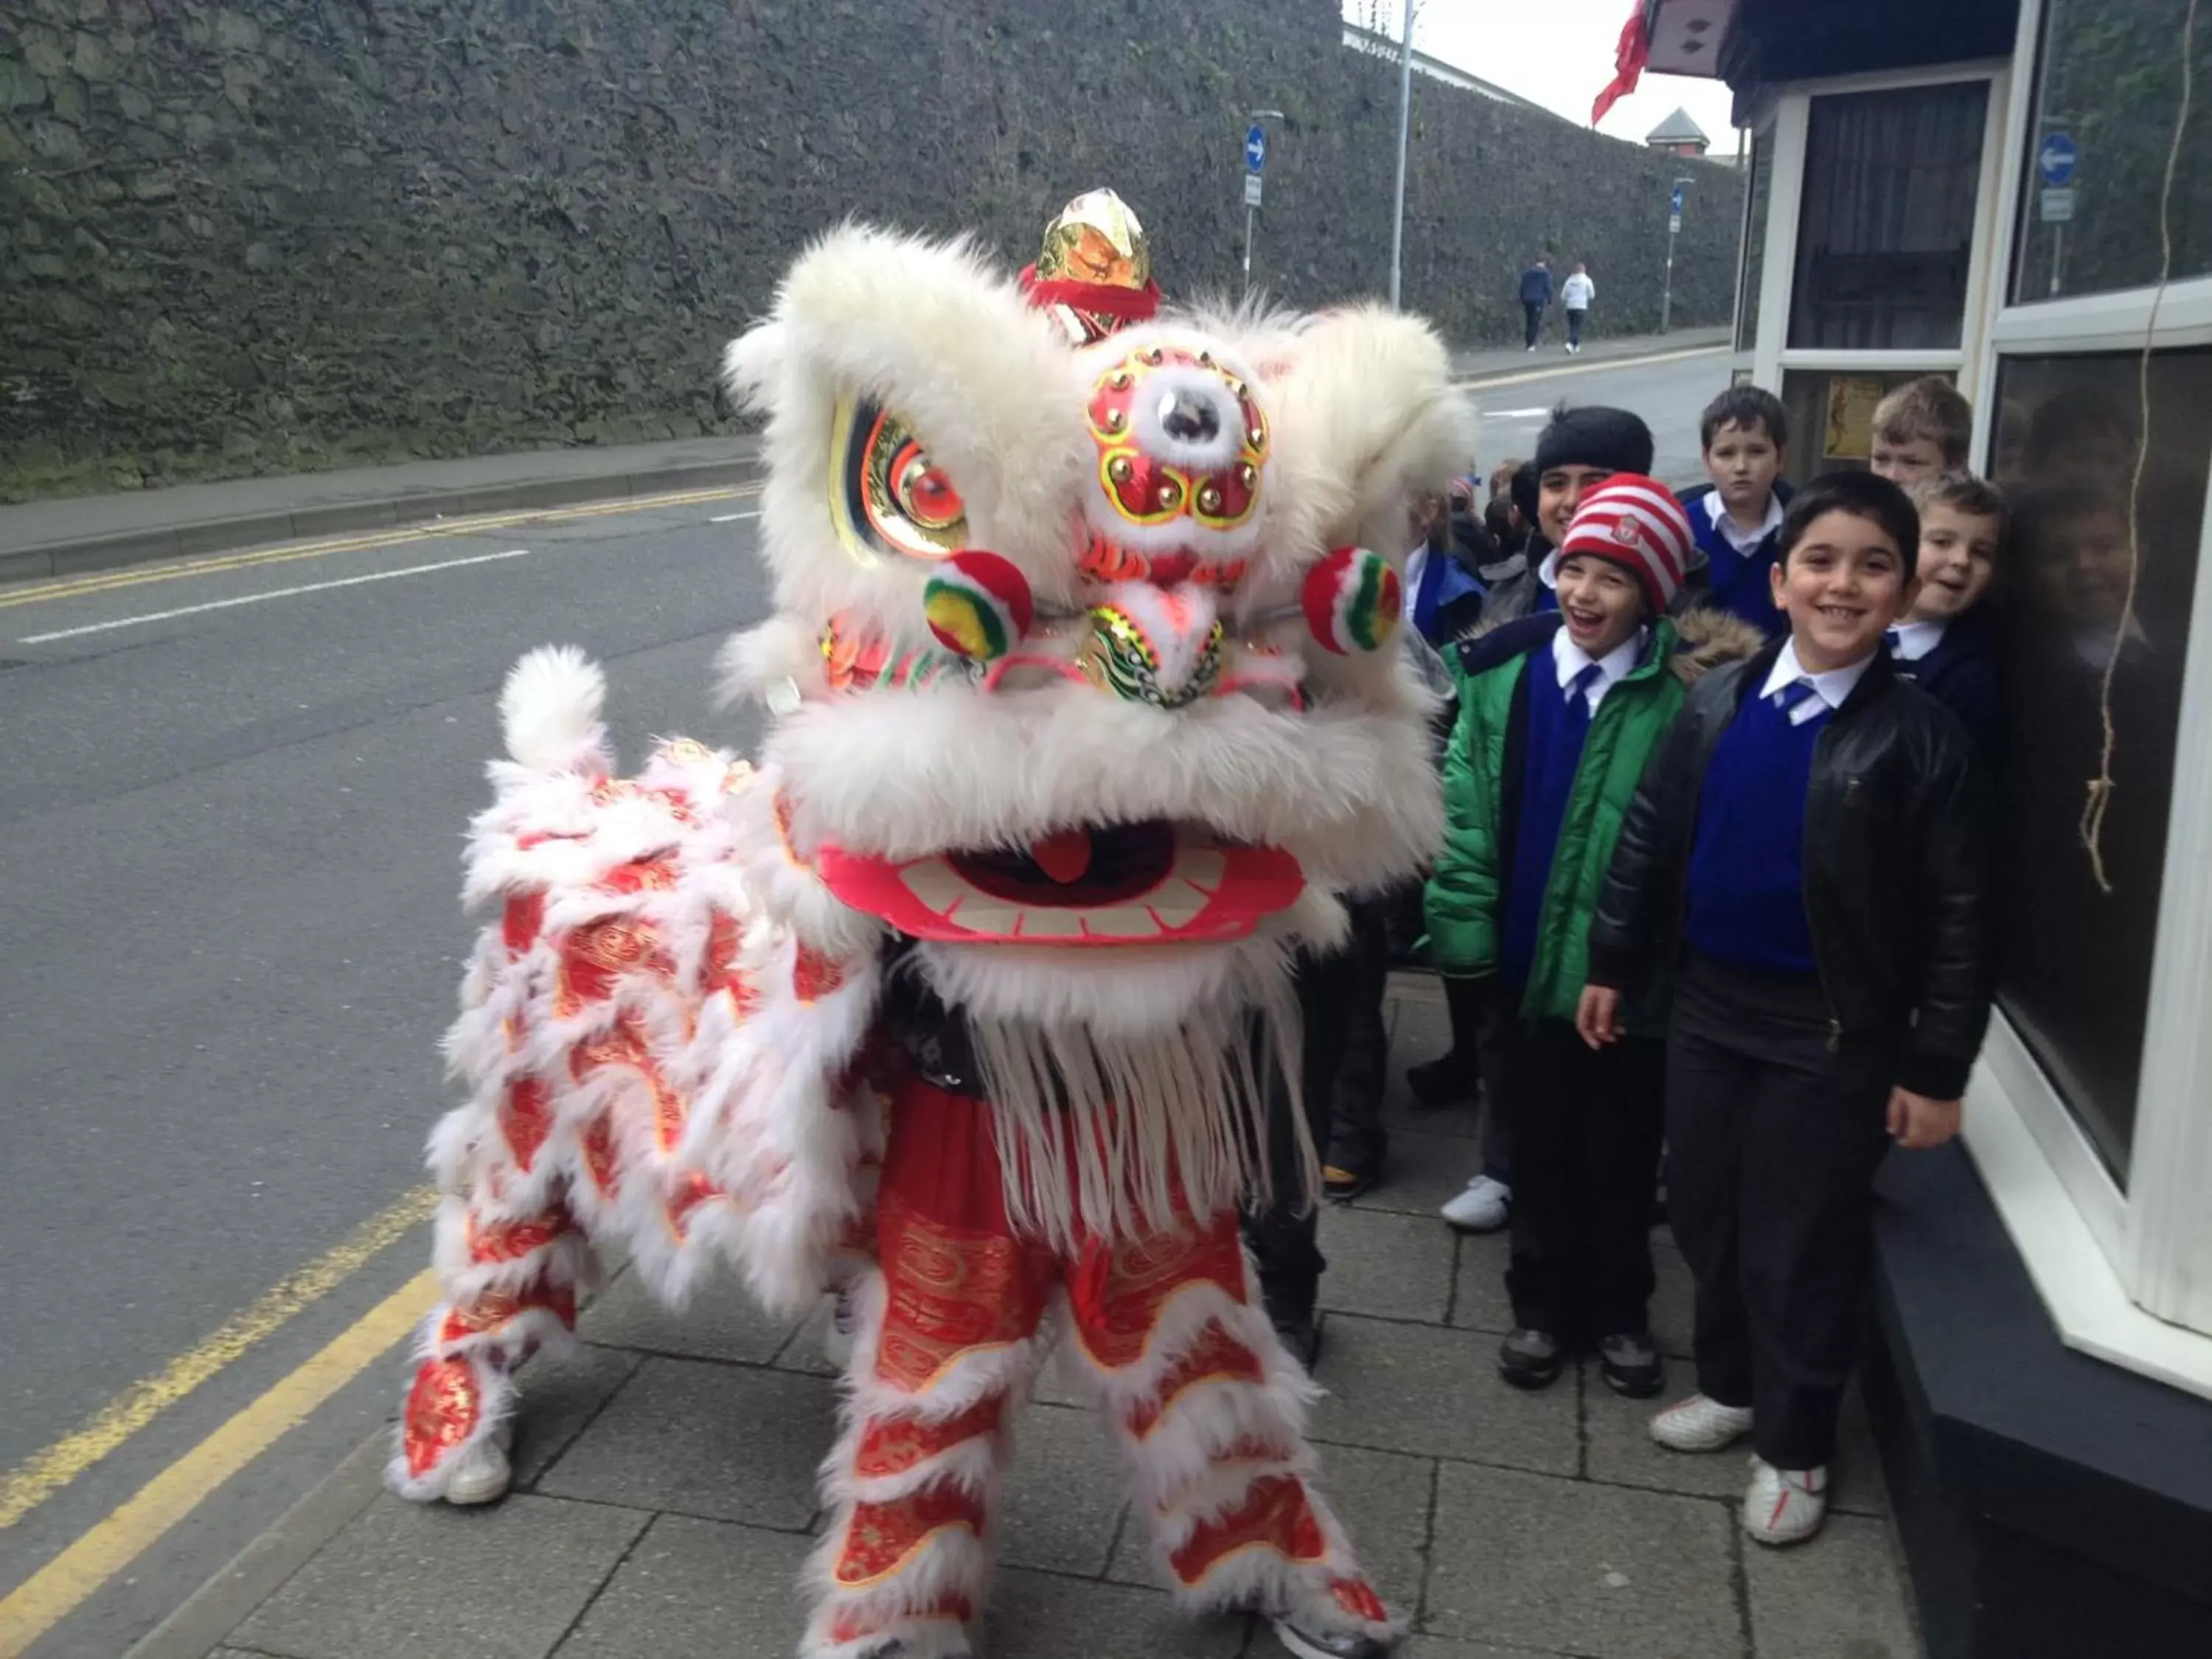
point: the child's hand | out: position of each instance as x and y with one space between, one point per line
1597 1017
1916 1122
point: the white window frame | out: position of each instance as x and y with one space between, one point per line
2125 1273
1771 356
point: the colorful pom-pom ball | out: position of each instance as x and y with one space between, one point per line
978 606
1352 600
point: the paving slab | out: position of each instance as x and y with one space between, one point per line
698 1587
1840 1597
1435 1393
1421 1169
1063 1498
1478 1299
1537 1562
1389 1266
1037 1615
1446 1647
802 1352
433 1583
727 1443
559 1397
720 1322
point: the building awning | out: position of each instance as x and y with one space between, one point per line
1749 43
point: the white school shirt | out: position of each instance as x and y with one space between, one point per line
1830 688
1741 539
1914 640
1576 292
1571 659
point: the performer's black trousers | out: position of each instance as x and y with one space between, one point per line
1773 1139
1586 1130
1346 1049
1535 321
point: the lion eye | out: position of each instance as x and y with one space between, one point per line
887 497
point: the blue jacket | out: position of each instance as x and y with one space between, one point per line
1536 286
1738 583
1962 673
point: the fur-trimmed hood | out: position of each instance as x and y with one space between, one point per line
1706 637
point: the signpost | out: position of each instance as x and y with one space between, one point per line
2055 158
1255 167
1674 229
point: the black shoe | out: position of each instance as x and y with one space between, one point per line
1441 1083
1631 1366
1310 1642
1301 1334
1531 1359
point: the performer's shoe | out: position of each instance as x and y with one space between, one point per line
1310 1641
837 1336
483 1472
1531 1359
1297 1332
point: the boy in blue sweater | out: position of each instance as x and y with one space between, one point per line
1737 518
1807 851
1947 644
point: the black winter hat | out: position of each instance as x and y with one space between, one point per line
1595 436
1526 494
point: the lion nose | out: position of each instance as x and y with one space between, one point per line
1189 418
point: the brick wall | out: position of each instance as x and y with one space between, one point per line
294 233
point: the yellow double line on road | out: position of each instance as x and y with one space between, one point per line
97 1555
433 530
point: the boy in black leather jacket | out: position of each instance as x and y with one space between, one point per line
1807 847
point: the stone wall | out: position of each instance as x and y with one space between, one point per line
294 234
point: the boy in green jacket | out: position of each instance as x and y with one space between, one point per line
1557 713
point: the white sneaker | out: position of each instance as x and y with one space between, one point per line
1699 1425
1483 1207
483 1473
1784 1506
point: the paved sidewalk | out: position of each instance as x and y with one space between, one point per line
666 1494
73 534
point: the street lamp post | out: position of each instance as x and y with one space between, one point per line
1674 229
1251 210
1405 125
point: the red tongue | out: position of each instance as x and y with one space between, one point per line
1065 857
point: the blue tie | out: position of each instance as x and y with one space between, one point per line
1578 691
1791 694
1894 640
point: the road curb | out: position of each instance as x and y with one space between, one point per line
220 1605
84 554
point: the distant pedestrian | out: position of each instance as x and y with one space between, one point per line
1576 295
1535 295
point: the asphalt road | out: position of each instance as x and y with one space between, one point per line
229 840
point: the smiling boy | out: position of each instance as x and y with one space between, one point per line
1921 430
1947 645
1559 712
1807 854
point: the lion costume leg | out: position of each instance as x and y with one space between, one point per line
1210 1409
509 1284
945 1348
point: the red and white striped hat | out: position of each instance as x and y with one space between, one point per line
1637 524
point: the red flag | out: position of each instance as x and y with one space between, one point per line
1628 60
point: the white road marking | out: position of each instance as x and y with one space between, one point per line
273 593
731 518
1516 413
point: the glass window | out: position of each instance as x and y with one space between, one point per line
1759 191
2077 967
2109 90
1831 417
1886 221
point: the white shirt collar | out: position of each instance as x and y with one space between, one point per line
1914 640
1569 659
1743 541
1829 688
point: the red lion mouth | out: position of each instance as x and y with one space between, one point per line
1154 883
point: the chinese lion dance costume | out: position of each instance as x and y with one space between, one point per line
962 998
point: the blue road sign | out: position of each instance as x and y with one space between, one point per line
1676 209
1255 149
2056 158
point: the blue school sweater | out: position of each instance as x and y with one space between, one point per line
1559 726
1739 582
1747 887
1962 673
